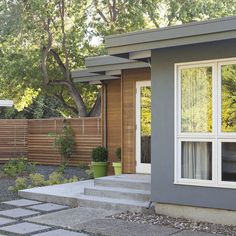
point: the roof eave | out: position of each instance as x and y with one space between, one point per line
198 32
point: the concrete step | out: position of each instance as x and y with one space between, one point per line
118 193
141 184
113 204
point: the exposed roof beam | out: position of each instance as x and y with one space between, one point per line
140 55
113 72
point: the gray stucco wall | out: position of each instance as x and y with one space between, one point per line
163 188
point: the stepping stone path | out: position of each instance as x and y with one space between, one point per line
4 221
47 207
22 202
14 221
18 213
24 228
60 232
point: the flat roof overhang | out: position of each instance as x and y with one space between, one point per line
84 76
111 65
144 41
103 68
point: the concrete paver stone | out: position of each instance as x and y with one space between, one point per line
4 221
18 213
116 227
193 233
47 207
71 217
60 232
24 228
22 202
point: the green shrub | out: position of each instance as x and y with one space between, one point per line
73 179
118 153
61 168
36 180
89 172
18 167
65 142
55 178
20 183
99 154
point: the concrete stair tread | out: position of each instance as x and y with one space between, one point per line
118 179
113 200
122 183
119 189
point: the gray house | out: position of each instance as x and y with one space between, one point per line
184 77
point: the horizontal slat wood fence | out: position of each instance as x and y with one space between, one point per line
13 139
31 138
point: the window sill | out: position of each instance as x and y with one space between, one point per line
205 183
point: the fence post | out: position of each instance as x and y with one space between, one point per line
83 126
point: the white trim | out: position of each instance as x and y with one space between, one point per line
189 134
195 63
216 136
223 134
140 167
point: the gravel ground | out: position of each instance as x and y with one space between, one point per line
6 195
179 223
69 171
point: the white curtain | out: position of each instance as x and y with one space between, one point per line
196 160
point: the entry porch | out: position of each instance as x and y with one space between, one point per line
127 192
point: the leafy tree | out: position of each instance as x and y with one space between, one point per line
50 35
185 11
41 41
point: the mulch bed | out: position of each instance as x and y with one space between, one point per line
179 223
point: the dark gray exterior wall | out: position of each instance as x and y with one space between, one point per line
163 188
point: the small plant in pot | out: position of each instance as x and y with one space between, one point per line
117 165
99 162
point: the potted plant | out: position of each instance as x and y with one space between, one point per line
99 162
117 165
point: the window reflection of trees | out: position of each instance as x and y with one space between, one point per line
228 78
196 99
145 124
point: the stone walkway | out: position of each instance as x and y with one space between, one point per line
36 218
13 221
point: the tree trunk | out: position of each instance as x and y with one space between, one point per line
96 109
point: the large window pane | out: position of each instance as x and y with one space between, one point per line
228 161
228 78
196 160
196 99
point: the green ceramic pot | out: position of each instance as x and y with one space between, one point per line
99 169
117 168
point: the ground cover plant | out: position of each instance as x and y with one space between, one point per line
17 167
21 174
39 180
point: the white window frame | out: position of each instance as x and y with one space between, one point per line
216 137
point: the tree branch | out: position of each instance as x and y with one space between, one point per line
62 14
45 51
59 62
74 93
100 12
63 102
96 109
